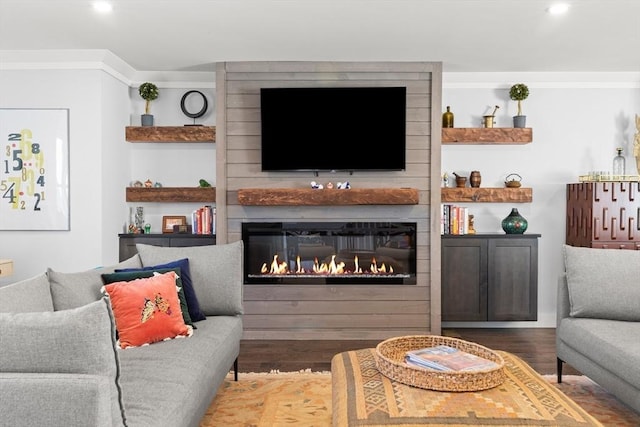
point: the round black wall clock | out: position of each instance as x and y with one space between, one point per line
195 115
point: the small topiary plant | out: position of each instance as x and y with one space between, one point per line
148 92
519 92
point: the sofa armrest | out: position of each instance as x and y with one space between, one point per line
39 399
563 305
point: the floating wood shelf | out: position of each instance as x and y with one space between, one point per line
487 195
311 197
487 135
170 133
171 194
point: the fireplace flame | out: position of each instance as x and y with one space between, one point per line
332 267
275 268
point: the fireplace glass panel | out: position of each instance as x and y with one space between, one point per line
329 252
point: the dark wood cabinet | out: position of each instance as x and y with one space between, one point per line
128 241
490 277
603 215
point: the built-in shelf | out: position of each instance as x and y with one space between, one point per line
487 135
487 195
171 194
311 197
170 133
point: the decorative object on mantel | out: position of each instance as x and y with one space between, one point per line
513 180
148 183
472 229
619 168
316 186
149 92
447 118
203 183
445 180
343 185
489 119
636 143
329 186
605 176
514 223
475 179
461 181
198 114
519 92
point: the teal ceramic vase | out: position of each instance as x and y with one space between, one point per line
514 223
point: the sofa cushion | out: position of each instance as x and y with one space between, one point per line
603 283
127 276
80 341
147 310
187 283
26 296
71 290
216 271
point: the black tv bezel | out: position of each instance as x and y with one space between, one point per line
327 89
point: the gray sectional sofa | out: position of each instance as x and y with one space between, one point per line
61 365
598 321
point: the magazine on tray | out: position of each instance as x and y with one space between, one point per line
445 358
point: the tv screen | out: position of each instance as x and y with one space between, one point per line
338 128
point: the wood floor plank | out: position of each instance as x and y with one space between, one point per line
536 346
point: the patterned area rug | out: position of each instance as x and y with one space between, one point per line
304 399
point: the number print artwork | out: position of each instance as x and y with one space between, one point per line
34 184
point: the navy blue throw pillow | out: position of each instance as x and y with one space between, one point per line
189 293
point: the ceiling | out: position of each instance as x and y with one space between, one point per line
466 35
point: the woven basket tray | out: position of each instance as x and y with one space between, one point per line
390 362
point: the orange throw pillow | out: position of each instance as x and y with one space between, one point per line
147 310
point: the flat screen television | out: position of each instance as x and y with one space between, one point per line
333 128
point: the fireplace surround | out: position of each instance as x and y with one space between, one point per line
336 253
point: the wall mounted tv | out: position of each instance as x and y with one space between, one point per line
333 129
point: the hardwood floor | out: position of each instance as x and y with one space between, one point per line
536 346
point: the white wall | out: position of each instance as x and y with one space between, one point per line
577 123
93 99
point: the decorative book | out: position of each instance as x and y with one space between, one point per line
446 358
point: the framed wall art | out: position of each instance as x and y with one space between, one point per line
169 221
34 169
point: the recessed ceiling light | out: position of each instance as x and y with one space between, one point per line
558 9
102 6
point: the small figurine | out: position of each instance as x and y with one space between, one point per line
204 183
316 186
471 229
445 179
329 185
344 185
157 185
137 184
148 183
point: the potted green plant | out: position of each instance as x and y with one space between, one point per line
519 92
149 92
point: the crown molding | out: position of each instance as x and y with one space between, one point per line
550 80
102 60
106 61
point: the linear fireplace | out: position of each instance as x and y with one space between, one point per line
339 253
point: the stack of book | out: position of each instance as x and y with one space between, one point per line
454 219
446 358
204 220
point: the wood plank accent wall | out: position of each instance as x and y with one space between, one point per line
333 311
